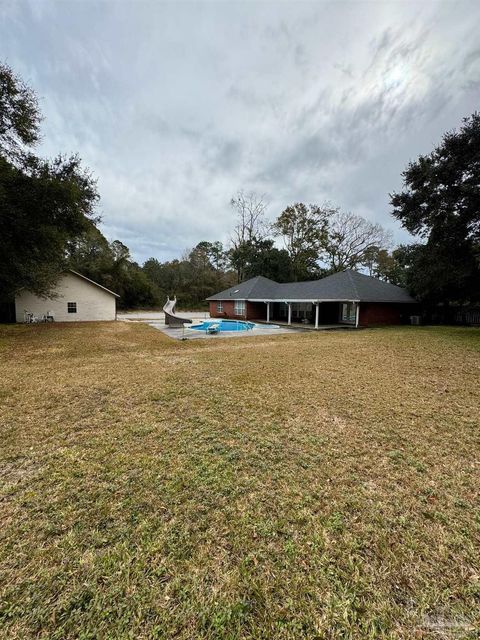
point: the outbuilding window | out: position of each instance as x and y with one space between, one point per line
72 307
219 307
239 307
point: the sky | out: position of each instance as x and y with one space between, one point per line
176 106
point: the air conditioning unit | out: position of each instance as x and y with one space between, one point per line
416 320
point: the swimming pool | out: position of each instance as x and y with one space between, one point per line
230 325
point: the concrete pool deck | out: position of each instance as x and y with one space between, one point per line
156 319
180 333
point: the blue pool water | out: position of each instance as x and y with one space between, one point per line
230 325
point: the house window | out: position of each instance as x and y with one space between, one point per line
239 308
349 312
72 307
219 307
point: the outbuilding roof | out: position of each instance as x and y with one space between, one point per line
344 285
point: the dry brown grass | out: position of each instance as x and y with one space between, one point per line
299 486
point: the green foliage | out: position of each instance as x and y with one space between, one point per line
110 264
303 229
386 266
90 254
19 114
44 204
198 275
261 258
42 207
47 212
134 287
439 273
322 240
269 261
440 202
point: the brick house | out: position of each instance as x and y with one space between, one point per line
346 297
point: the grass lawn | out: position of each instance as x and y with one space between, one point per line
298 486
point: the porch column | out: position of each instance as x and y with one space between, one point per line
357 314
268 312
289 312
317 304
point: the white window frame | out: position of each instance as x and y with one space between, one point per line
239 307
219 306
72 307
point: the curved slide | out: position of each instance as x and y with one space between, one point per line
171 317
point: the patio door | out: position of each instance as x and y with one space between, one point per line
348 312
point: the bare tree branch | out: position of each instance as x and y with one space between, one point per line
350 241
251 209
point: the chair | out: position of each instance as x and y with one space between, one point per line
29 318
213 328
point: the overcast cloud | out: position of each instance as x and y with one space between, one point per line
176 106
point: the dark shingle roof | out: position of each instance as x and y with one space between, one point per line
344 285
255 288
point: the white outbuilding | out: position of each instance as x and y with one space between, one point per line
74 298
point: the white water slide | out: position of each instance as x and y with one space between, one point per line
171 317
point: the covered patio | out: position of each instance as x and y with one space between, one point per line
312 314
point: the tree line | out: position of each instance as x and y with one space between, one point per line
49 222
305 242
